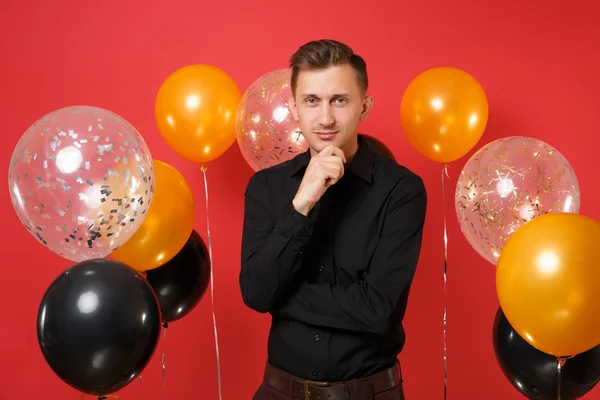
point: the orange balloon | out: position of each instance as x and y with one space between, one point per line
444 112
195 112
548 283
167 226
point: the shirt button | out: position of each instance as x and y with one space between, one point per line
317 338
321 268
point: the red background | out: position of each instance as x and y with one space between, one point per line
537 60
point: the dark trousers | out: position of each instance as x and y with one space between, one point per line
279 388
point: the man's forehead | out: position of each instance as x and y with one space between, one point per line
329 81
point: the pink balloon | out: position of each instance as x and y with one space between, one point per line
507 183
81 180
266 131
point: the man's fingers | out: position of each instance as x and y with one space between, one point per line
331 160
331 150
332 164
332 172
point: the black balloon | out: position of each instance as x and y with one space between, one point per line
181 283
535 374
378 146
98 325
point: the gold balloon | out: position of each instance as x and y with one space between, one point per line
195 112
444 112
548 283
167 226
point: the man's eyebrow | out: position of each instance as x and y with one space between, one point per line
343 94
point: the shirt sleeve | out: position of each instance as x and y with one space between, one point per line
368 304
271 249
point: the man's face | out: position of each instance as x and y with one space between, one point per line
328 105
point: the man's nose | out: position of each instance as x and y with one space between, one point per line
326 117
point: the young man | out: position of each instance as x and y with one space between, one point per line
331 241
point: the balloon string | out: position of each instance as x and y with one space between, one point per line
444 175
212 288
559 365
140 387
163 363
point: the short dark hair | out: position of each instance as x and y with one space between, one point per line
321 54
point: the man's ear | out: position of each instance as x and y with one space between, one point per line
367 105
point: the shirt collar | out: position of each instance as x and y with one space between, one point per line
361 165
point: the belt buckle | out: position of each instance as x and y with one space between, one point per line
307 384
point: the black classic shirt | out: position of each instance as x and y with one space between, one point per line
336 282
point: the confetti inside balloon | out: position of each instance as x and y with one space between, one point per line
267 133
81 179
507 183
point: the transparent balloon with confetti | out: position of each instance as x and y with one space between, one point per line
507 183
81 180
267 133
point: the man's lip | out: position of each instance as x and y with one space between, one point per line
325 132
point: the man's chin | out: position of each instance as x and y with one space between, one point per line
318 144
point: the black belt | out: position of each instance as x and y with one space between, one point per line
348 390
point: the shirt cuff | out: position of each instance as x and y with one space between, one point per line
292 223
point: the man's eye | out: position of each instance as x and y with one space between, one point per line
311 101
341 100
